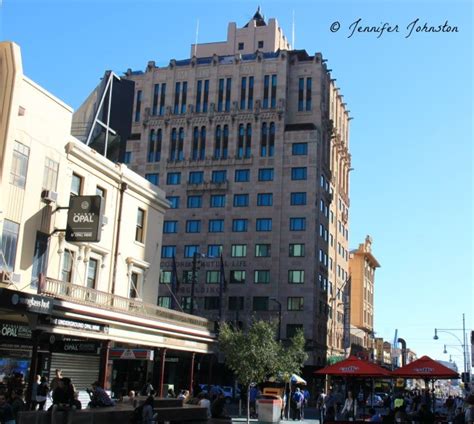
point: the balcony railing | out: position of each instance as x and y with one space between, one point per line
112 302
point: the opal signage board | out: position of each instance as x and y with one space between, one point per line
84 219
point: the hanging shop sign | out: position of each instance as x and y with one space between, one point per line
84 219
28 302
138 354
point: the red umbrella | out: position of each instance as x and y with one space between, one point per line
426 368
354 367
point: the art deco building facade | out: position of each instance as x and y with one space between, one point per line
249 140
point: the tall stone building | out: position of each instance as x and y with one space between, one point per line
249 140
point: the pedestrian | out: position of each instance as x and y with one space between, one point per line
253 394
99 397
375 417
296 404
349 410
330 403
57 378
34 392
6 410
204 402
42 393
17 403
218 407
148 389
148 415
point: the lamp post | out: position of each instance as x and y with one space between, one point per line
462 343
279 316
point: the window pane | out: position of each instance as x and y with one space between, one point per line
237 277
19 167
262 250
9 244
239 250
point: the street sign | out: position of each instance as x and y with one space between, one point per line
84 219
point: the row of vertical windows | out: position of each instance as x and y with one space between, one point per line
180 97
304 94
159 95
202 96
221 142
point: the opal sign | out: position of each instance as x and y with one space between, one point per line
84 219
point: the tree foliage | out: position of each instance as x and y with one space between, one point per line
291 358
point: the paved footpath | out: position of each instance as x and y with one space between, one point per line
309 413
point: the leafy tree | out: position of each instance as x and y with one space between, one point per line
253 356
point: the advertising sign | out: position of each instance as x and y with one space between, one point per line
84 219
26 301
9 329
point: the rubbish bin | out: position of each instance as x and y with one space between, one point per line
269 409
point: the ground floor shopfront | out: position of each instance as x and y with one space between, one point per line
122 351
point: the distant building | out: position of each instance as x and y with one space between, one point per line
362 265
77 305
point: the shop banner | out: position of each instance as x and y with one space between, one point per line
138 354
76 347
76 325
26 301
9 329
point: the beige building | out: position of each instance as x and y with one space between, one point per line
362 265
249 140
53 290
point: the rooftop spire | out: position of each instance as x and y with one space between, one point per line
258 18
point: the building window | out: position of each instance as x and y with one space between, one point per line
243 92
174 202
138 105
239 250
300 94
297 199
241 46
261 276
164 302
139 229
66 270
236 303
127 157
299 149
308 93
296 250
296 277
266 89
168 251
241 200
217 200
154 145
186 303
218 142
213 277
304 92
260 303
242 175
194 201
260 44
170 227
193 226
166 277
262 250
133 290
239 225
263 224
190 250
219 177
211 303
265 174
76 185
214 250
156 94
196 177
162 99
9 244
92 273
220 95
50 175
240 141
187 276
273 92
295 303
177 90
205 101
250 96
299 173
297 224
271 140
228 90
198 96
292 329
173 178
264 199
237 276
102 192
153 178
216 225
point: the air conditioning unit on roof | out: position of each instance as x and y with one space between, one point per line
49 196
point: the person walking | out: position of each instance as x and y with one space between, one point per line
330 403
6 411
148 415
349 410
297 404
42 393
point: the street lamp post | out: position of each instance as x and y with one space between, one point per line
279 316
462 343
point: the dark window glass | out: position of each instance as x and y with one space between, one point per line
170 227
301 94
250 98
228 91
177 91
194 201
262 250
299 173
216 225
219 176
198 96
140 226
239 225
217 200
297 224
174 200
298 199
211 303
240 46
190 250
296 250
265 174
243 92
220 95
237 276
260 44
260 303
173 178
205 101
263 224
242 175
308 93
9 244
168 251
273 92
266 87
156 92
193 226
138 105
236 303
241 200
162 99
265 199
299 149
153 178
196 177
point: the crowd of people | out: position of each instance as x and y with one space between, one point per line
414 406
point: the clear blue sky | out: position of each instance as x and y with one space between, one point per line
411 137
